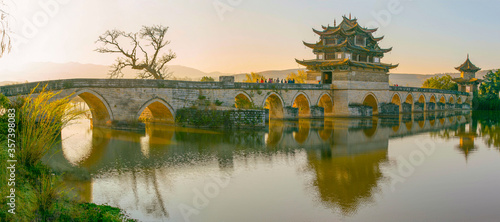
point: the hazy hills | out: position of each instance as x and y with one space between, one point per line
49 71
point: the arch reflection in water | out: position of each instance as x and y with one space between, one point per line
302 131
275 134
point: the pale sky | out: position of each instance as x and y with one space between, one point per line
428 36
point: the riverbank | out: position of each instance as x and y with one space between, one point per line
32 191
38 197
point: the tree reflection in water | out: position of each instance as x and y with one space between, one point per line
490 127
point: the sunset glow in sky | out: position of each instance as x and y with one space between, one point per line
236 36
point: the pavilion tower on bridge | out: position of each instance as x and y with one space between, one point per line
467 81
345 48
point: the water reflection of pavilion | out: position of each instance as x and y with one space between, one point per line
345 155
467 134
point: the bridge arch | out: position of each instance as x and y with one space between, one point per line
301 101
451 100
396 99
421 100
243 101
442 99
371 100
326 101
432 99
156 110
409 100
99 107
274 103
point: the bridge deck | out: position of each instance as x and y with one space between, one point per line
25 88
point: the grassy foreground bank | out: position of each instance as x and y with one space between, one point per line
37 194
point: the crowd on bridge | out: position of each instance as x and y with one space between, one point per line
277 80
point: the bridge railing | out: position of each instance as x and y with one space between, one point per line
26 88
417 89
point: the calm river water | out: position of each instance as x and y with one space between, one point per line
433 167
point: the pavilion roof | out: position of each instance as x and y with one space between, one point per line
319 46
315 64
465 81
467 66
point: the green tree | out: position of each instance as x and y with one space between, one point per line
207 79
491 85
443 82
487 98
253 77
299 77
142 51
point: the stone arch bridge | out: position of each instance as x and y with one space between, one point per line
124 100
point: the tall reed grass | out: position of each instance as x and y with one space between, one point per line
39 197
41 116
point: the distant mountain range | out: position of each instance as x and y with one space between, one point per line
50 71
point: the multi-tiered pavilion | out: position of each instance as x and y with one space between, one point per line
467 81
343 48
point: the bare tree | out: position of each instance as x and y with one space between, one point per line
146 57
5 41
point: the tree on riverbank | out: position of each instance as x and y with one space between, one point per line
207 79
488 96
299 77
253 77
491 84
443 82
145 54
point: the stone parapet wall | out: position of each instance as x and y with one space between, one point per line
23 89
427 90
221 118
360 110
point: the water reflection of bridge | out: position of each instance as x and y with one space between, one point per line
344 154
